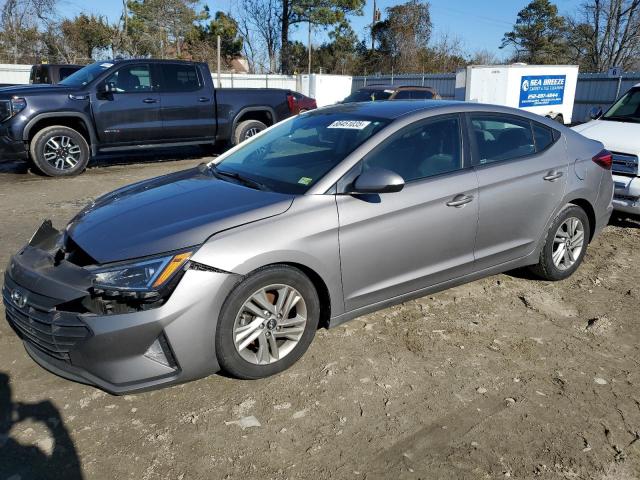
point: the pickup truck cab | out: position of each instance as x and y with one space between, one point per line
130 104
619 130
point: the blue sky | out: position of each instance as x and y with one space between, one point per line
479 24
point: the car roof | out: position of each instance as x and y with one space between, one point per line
148 60
388 110
394 87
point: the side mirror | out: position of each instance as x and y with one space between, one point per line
107 87
378 180
595 113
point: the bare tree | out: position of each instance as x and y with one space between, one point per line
605 34
19 22
259 24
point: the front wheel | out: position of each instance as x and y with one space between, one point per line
59 151
247 129
565 245
267 322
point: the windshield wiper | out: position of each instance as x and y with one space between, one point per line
249 182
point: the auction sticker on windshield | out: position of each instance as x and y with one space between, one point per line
349 124
540 90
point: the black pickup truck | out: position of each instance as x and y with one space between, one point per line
124 105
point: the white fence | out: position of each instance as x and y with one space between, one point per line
237 80
11 74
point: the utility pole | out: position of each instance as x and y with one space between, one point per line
309 48
374 19
219 79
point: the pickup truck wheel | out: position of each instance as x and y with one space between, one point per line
59 151
247 129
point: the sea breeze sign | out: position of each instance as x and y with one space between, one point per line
540 90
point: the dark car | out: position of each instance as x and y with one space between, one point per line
51 73
120 105
392 92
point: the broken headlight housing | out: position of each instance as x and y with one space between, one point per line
143 276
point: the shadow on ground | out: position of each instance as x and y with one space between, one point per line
53 457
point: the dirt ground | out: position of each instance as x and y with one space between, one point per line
506 377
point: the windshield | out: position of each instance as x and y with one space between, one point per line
367 95
85 75
627 109
293 156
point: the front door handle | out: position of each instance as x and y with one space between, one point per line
150 100
552 176
203 99
460 200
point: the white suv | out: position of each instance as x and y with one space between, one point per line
619 130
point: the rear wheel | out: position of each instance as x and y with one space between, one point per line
59 151
267 323
247 129
565 245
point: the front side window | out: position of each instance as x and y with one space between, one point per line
180 78
293 156
501 138
421 150
131 79
627 109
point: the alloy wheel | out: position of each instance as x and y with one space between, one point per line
568 243
61 152
270 324
251 132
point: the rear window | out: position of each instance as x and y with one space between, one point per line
368 95
180 78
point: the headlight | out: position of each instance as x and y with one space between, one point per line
10 108
145 275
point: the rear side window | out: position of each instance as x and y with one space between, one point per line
421 150
500 138
543 136
180 78
402 95
65 72
422 95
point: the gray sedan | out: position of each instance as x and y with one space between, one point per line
327 216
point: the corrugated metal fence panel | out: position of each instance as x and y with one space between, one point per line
232 80
597 89
10 73
445 84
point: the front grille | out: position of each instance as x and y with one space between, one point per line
54 333
625 164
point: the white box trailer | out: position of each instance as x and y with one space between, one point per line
326 89
547 90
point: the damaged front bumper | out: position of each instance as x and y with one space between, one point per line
118 352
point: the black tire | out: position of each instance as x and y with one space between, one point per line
79 146
228 355
247 129
546 268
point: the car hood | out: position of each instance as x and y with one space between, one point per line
168 213
619 137
39 89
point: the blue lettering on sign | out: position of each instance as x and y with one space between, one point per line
540 90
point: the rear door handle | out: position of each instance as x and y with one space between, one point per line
552 176
203 99
150 100
460 200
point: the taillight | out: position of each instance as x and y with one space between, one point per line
291 100
604 159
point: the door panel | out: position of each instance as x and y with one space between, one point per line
132 113
188 110
516 196
395 243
